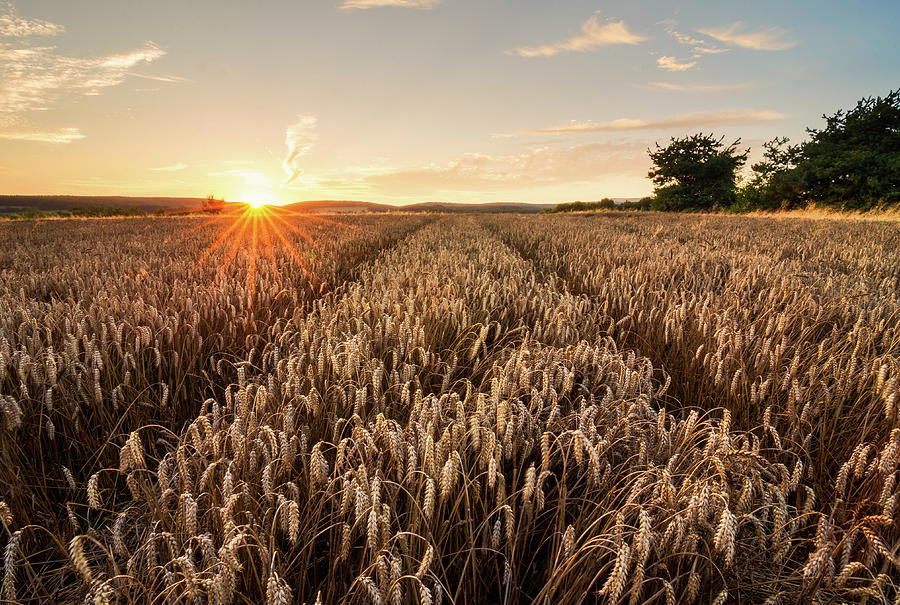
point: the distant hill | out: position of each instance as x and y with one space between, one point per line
352 206
20 203
24 203
339 206
520 207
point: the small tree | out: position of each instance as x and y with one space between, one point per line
211 205
698 172
775 183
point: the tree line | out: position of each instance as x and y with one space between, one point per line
604 204
853 163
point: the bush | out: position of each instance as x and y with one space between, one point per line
211 205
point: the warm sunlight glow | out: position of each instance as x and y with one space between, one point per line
262 229
258 197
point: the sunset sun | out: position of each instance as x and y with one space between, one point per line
257 197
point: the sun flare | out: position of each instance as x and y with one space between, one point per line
257 197
258 229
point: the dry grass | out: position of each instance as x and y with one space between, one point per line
554 409
815 212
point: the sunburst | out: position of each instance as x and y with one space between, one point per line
257 230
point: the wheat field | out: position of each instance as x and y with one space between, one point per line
433 409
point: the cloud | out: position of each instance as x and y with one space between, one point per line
32 78
172 168
700 47
701 87
14 26
770 38
160 78
545 166
593 35
351 4
709 50
63 135
299 138
672 64
699 119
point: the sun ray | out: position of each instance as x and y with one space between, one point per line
203 225
321 219
255 236
254 255
236 241
298 231
220 240
268 246
292 252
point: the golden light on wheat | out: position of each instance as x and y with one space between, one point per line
259 230
493 409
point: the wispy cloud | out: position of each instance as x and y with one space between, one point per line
32 78
351 4
63 135
700 47
701 87
770 38
673 64
36 77
299 139
172 168
709 50
14 26
160 78
593 35
544 166
699 119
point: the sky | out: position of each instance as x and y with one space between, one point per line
406 101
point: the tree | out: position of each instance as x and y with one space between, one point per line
775 183
645 203
854 162
213 206
695 173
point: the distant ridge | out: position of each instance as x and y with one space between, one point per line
488 207
338 206
20 203
354 206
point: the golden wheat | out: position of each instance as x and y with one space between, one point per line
553 409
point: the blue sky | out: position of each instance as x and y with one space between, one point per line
411 100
